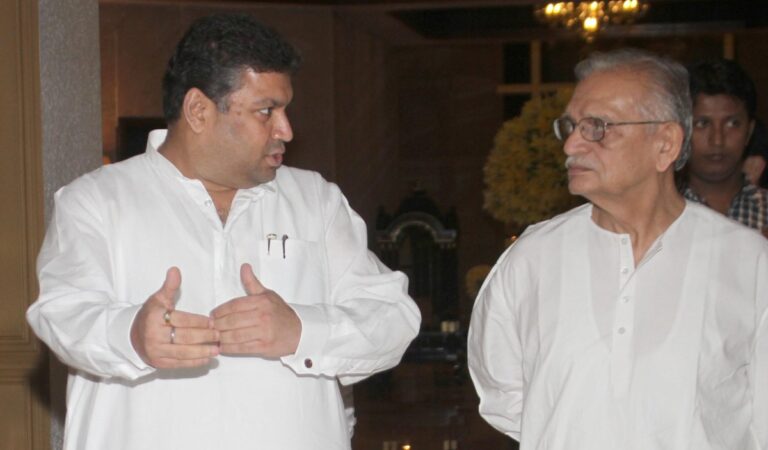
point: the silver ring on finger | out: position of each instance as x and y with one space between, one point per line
173 335
167 317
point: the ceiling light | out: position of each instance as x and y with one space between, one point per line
590 17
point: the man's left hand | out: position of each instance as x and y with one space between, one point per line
260 324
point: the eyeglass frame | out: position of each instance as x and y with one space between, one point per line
603 126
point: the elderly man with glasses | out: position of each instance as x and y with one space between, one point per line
638 320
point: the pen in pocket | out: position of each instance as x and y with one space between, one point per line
271 236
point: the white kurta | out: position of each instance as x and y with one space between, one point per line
573 347
114 234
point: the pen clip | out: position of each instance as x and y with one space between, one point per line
271 236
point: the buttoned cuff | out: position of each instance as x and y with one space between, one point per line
314 335
119 336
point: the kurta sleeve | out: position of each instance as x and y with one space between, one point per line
77 314
759 362
495 350
369 320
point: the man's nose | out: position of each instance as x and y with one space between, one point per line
716 135
283 130
574 143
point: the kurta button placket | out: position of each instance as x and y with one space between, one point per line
218 259
621 349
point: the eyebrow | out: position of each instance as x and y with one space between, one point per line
729 116
262 102
268 102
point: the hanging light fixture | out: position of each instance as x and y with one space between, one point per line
589 17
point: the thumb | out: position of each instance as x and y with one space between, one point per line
167 292
251 284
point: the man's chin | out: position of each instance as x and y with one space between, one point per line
266 175
719 176
575 187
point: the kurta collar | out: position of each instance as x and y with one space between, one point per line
167 168
657 244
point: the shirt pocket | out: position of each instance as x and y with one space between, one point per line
292 268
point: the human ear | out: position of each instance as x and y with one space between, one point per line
196 109
671 137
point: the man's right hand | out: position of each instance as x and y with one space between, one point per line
183 340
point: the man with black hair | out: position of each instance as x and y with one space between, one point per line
203 294
724 103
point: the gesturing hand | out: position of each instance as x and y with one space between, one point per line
260 324
166 338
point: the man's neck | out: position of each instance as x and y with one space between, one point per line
174 149
177 150
644 217
717 194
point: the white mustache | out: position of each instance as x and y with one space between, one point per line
574 160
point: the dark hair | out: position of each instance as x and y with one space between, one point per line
722 76
213 54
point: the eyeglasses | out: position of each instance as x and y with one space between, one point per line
591 128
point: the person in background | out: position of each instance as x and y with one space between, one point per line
204 295
638 320
724 103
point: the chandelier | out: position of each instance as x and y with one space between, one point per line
589 17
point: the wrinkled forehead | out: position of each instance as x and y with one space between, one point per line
611 92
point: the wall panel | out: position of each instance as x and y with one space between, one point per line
24 423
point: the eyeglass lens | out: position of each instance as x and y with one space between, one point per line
563 128
591 128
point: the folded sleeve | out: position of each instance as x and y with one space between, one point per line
495 350
77 314
369 320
